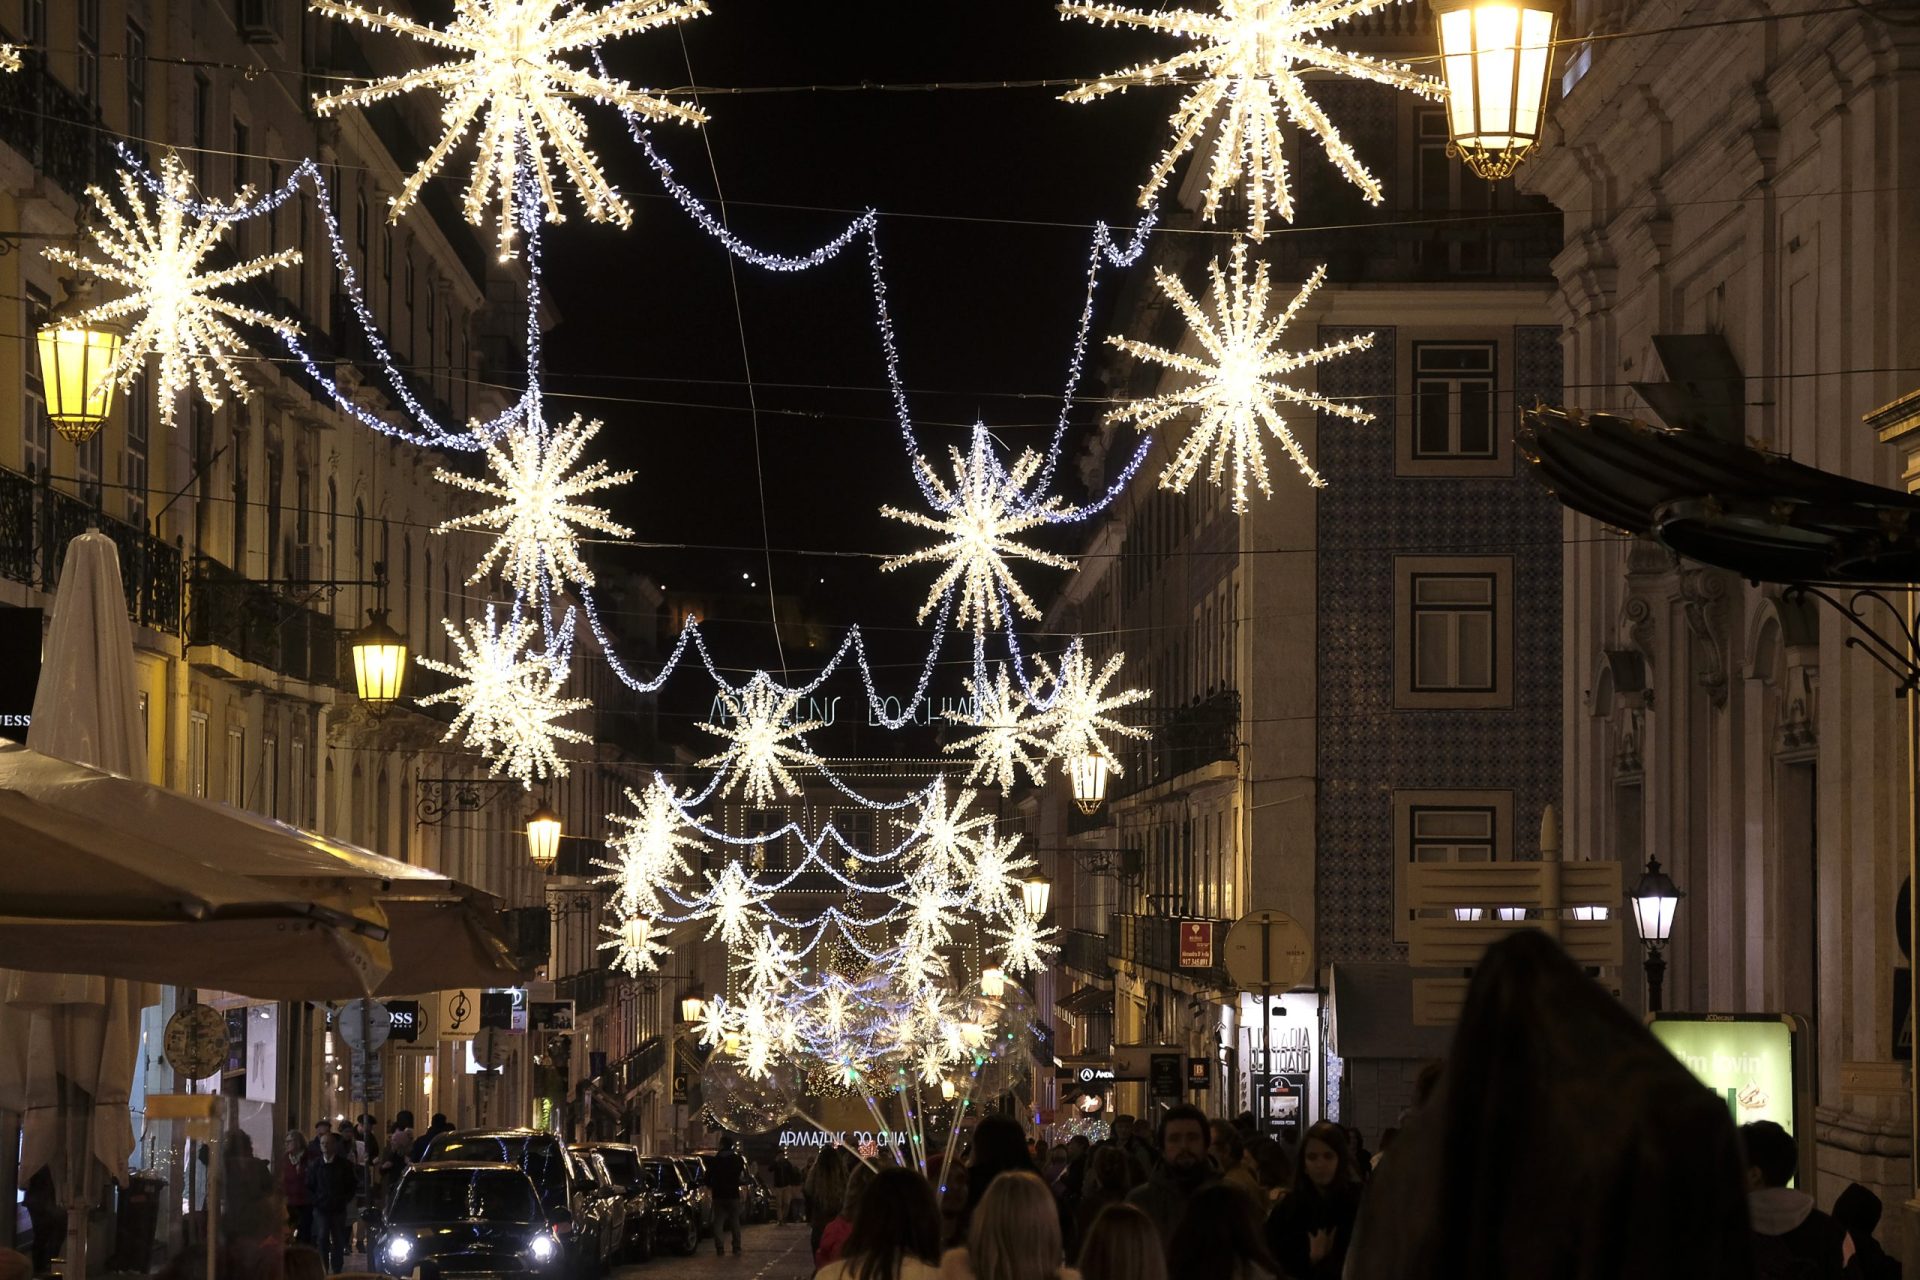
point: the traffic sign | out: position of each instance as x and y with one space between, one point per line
1268 950
364 1024
369 1079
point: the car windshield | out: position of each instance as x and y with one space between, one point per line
539 1155
622 1166
464 1195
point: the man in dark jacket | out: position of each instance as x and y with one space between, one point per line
330 1186
434 1130
724 1174
1183 1169
1791 1238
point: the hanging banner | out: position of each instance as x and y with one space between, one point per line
457 1013
1196 944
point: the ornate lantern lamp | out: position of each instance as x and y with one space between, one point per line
379 661
1087 774
1655 900
1497 58
543 837
1035 892
74 360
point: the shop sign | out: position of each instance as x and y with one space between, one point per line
1196 944
1199 1073
505 1009
550 1015
403 1020
1163 1075
457 1013
1092 1072
20 633
863 1140
1131 1061
1746 1059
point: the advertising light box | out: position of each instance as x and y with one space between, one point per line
1749 1060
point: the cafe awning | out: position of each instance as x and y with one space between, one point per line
1722 502
1086 1001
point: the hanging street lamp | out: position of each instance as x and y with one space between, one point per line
993 981
1497 59
379 662
1087 774
692 1007
74 360
1034 894
1654 899
543 837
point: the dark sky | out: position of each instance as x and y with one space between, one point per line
985 310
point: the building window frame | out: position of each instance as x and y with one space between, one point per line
1418 576
137 85
1411 811
1421 367
1450 379
197 753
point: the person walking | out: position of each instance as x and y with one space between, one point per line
725 1172
330 1188
1229 1156
1219 1238
786 1187
1108 1180
826 1187
434 1130
896 1232
1858 1213
1121 1243
293 1186
833 1240
1013 1234
1309 1231
999 1146
1791 1238
1183 1168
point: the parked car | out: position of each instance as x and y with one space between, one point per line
676 1209
757 1199
626 1182
465 1216
695 1172
575 1202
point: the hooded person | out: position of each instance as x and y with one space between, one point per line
1562 1140
1791 1237
1858 1213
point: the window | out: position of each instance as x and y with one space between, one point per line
1446 826
133 459
236 794
88 65
88 458
36 25
407 281
1453 631
36 428
274 473
273 214
386 268
197 753
136 85
242 156
431 310
297 779
202 121
360 227
270 776
771 854
239 538
360 537
1453 400
333 527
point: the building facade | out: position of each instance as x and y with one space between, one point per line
1738 190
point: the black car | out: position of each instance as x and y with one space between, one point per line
694 1170
619 1165
756 1198
676 1206
465 1217
569 1192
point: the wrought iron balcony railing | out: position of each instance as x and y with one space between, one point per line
37 521
1183 740
1085 950
57 130
257 624
587 990
1153 942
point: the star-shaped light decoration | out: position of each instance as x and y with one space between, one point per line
649 851
539 512
636 945
980 513
995 878
158 255
716 1021
1247 68
757 751
505 67
9 57
732 895
1005 737
1238 384
509 696
1078 713
769 961
944 834
1024 947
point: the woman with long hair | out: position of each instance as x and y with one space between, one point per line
1219 1238
1123 1244
1109 1178
896 1232
999 1146
1014 1234
1310 1229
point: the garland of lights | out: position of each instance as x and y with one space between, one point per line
1251 59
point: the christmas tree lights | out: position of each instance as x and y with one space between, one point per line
507 71
1237 384
538 512
1248 68
980 513
158 256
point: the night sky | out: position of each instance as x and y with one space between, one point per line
985 309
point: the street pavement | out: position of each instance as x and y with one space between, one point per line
768 1252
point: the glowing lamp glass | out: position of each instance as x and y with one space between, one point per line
1654 900
379 661
1087 773
1496 57
1034 895
543 838
75 361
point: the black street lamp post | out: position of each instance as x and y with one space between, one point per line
1655 900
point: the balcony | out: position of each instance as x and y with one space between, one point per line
1084 950
258 625
37 522
1183 740
1153 942
588 990
56 129
529 935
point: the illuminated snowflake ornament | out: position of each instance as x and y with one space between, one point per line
1024 946
505 69
980 513
716 1022
945 834
733 895
1247 70
769 961
995 878
1237 386
9 57
1006 734
539 512
649 850
1079 711
757 751
158 254
509 696
636 945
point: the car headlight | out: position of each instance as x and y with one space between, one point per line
542 1249
399 1249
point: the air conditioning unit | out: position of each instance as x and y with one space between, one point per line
261 21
